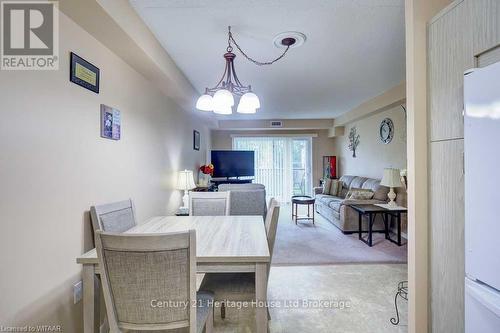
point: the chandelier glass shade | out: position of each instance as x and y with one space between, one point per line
249 103
221 98
205 103
223 110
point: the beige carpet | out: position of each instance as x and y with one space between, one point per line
323 243
366 290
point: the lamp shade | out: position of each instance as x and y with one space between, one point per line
223 99
205 103
223 110
242 108
251 100
185 180
391 178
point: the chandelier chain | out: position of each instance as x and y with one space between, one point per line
256 62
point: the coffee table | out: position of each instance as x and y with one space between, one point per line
303 200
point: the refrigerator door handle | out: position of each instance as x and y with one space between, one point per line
483 295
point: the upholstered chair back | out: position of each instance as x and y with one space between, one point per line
246 199
271 224
113 217
209 203
140 271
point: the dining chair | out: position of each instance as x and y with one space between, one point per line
149 282
209 203
113 217
271 224
241 286
246 199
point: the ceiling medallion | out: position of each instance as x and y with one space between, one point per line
220 99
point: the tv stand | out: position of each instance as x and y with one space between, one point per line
218 181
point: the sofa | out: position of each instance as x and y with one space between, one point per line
246 199
337 210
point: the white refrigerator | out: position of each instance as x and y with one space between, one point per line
482 199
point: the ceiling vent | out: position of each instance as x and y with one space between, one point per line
276 123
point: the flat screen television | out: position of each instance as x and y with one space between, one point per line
233 163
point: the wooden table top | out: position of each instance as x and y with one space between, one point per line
219 239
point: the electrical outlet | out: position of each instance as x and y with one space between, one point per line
77 291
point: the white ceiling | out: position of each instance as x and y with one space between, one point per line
354 51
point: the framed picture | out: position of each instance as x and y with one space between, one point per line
83 73
196 140
110 123
330 167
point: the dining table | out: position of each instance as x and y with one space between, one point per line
224 244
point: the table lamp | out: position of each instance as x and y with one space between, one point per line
185 182
391 179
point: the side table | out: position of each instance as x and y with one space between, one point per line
302 200
371 211
393 213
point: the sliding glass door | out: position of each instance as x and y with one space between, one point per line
282 164
301 166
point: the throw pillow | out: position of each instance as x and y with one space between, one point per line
341 185
334 188
326 186
359 194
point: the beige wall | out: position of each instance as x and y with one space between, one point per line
54 166
385 101
372 156
322 145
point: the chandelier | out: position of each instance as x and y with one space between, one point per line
220 99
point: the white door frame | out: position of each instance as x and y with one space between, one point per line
417 14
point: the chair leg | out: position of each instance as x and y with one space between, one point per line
209 325
213 314
223 310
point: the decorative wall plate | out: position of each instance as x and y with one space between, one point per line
386 130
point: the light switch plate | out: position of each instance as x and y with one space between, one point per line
77 291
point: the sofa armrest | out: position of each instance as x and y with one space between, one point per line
318 190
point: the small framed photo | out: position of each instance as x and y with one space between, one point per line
83 73
196 140
110 123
